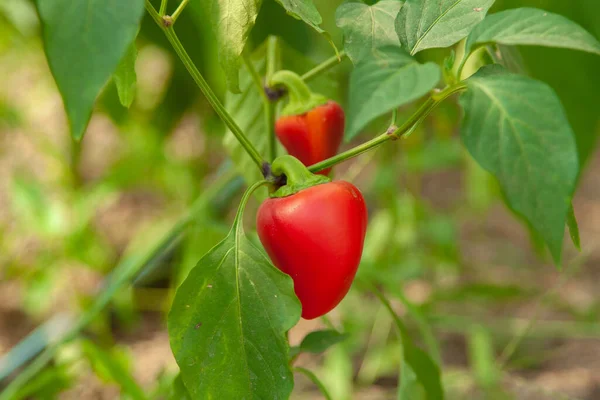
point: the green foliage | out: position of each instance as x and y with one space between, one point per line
531 26
230 315
125 77
367 28
112 366
527 143
318 342
385 82
306 11
228 321
232 21
84 52
426 24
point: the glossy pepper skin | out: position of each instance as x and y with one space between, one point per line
316 236
313 136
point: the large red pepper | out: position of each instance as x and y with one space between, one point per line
313 230
310 127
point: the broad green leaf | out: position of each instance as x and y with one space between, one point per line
109 366
574 74
532 26
306 11
318 341
247 108
84 42
426 24
367 28
380 84
125 78
232 21
573 228
228 323
516 128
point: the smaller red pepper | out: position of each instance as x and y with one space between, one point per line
310 127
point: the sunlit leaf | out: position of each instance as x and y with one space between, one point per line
426 24
232 21
367 28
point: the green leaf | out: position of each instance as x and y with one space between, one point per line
232 21
516 128
426 24
367 28
229 320
125 78
319 341
532 26
179 390
573 228
110 367
84 42
381 84
306 11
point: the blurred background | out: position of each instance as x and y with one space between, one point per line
77 217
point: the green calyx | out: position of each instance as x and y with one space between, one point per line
301 99
298 176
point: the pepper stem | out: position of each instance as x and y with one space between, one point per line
297 175
301 99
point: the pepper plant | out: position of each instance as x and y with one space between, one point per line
229 318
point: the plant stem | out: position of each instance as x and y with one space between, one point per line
205 87
324 66
270 105
408 126
155 16
179 10
163 7
394 117
75 159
